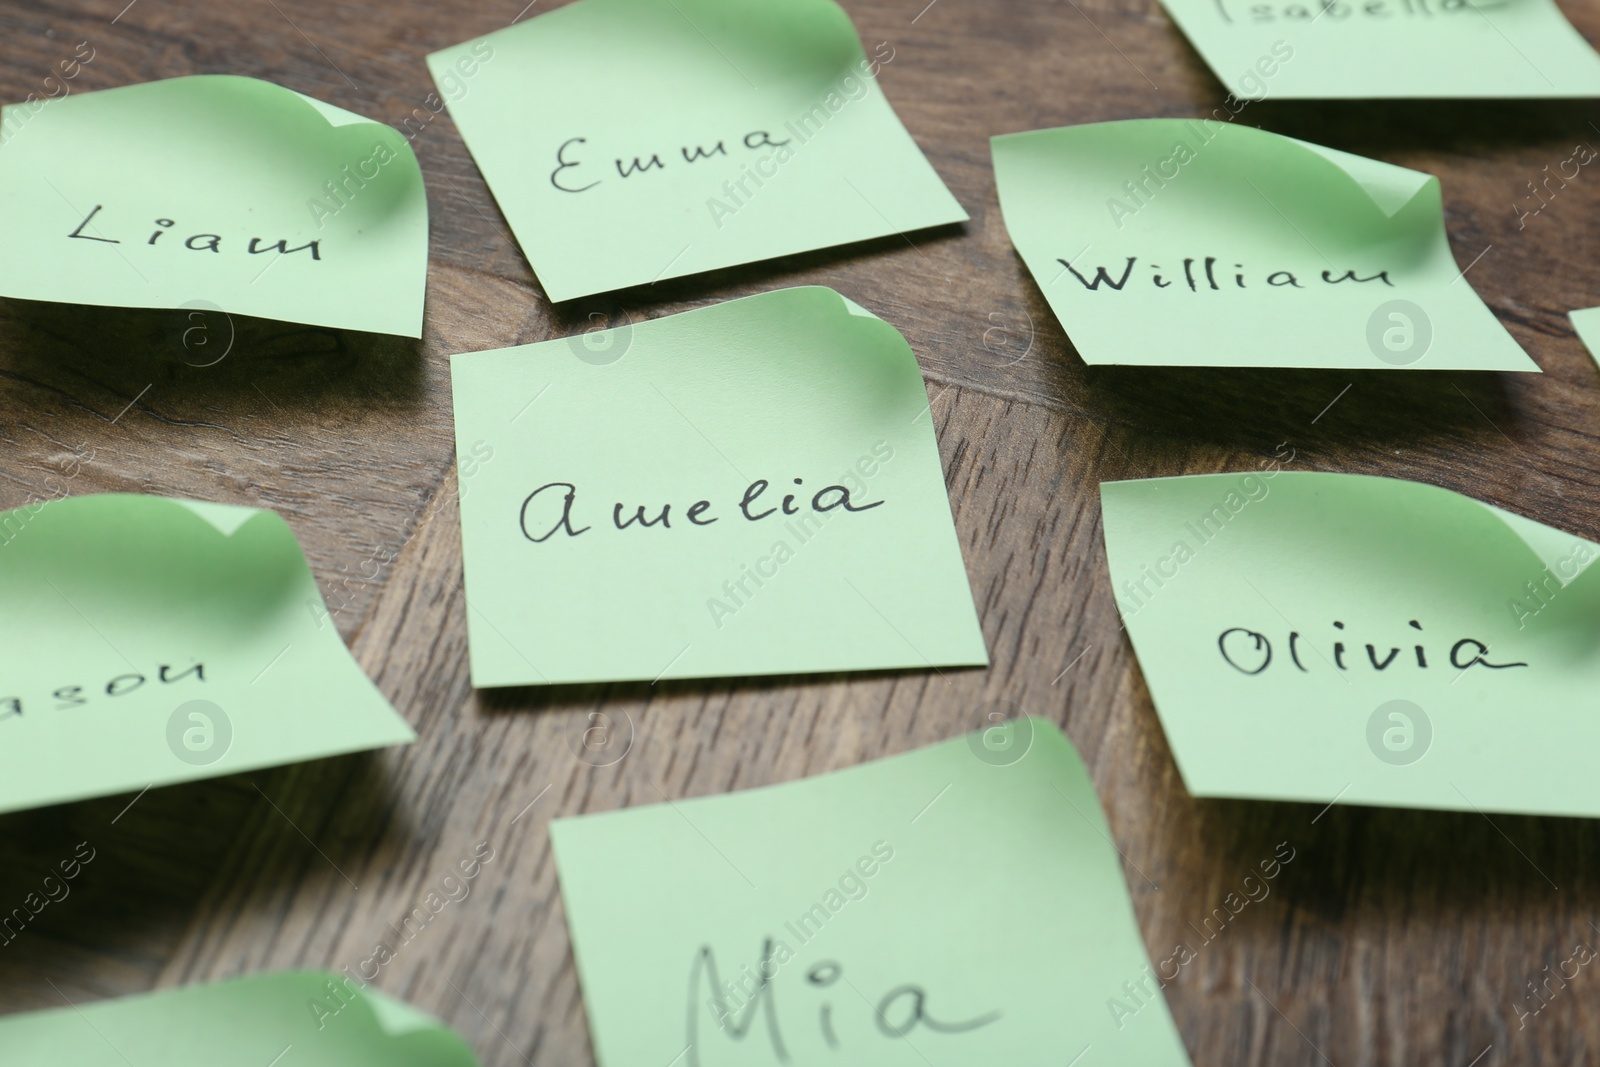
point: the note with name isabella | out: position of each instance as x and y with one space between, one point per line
214 193
961 904
630 141
747 488
1195 243
1311 636
1394 49
320 1019
152 641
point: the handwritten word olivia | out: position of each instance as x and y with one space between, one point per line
71 696
898 1013
1582 155
732 997
200 242
1250 652
823 500
1277 279
1182 954
34 903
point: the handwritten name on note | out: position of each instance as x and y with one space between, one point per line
94 229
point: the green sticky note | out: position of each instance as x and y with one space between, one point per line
1587 325
961 904
628 141
304 1018
1322 637
1366 49
152 641
214 193
1186 242
749 488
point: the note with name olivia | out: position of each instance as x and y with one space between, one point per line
748 488
876 915
214 192
1187 242
322 1019
628 141
1310 636
152 641
1376 49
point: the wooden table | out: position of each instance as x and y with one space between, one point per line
1394 936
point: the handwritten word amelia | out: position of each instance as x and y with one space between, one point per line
1276 279
1250 652
750 506
200 242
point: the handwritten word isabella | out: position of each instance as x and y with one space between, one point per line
751 506
1249 652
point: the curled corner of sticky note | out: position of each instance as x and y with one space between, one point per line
226 518
1390 188
1586 323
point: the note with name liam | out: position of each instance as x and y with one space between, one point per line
1390 49
326 1020
152 641
1187 242
213 193
628 141
1309 636
960 904
747 488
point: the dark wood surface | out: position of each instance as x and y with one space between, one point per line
1394 936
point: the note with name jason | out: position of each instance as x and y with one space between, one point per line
1377 49
862 917
629 141
214 193
1190 242
1309 636
244 1020
748 488
152 641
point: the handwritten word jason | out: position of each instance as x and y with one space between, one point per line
1250 652
1207 277
574 173
539 524
73 696
199 242
898 1012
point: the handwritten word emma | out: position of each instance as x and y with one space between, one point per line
1250 652
1200 275
539 524
199 242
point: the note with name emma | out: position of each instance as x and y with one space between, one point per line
1309 636
960 904
1376 49
214 192
1189 242
748 488
629 141
152 641
319 1019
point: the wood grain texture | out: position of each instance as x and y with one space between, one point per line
1393 936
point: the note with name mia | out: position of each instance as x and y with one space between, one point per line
629 141
1376 49
961 904
212 193
747 488
1190 242
1309 636
152 641
257 1020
